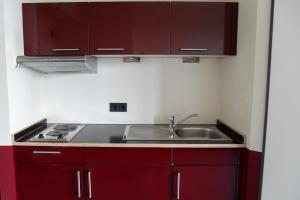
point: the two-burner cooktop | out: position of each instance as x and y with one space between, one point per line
58 133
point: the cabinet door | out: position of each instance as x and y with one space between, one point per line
130 28
129 183
55 29
205 182
203 28
49 182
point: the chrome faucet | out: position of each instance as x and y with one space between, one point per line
173 125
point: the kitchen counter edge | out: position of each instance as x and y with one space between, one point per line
126 145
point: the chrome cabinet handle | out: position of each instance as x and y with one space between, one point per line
182 49
89 184
110 49
65 49
78 175
178 185
46 152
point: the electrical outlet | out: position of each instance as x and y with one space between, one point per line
118 107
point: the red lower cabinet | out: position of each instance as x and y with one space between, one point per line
128 182
208 174
205 182
49 182
49 173
126 173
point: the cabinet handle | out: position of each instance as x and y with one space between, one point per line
89 184
178 186
46 152
78 176
65 49
182 49
110 49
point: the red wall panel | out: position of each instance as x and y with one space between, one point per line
7 174
250 175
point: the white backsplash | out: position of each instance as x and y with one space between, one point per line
154 89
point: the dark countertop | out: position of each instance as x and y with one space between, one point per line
102 133
109 134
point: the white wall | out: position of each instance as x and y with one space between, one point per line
243 78
237 72
282 163
24 87
255 138
154 89
4 112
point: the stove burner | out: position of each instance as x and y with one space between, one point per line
65 127
58 133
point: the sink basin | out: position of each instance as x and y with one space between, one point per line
198 133
208 134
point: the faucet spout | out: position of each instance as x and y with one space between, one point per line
186 118
173 125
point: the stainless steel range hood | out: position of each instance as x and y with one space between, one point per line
63 64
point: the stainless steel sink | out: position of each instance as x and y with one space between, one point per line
199 133
186 133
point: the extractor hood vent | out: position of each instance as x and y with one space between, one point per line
65 64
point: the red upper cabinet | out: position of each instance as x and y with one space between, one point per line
55 29
203 28
130 28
